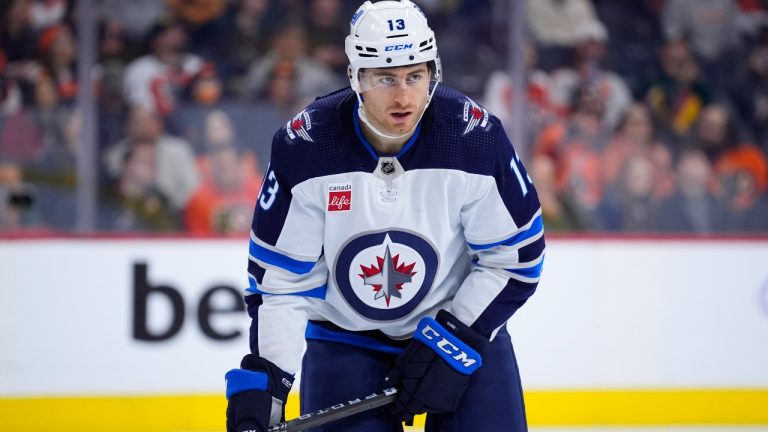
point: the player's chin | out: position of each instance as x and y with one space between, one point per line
400 129
401 123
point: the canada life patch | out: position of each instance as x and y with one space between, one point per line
339 197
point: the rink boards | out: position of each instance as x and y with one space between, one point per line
135 334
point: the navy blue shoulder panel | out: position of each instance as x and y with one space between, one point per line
319 141
456 133
461 135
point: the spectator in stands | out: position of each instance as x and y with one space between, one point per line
574 144
750 91
35 129
10 93
678 96
280 91
16 201
47 13
289 45
113 48
24 131
717 136
711 28
137 16
204 89
220 131
175 172
203 98
155 80
636 136
135 202
49 114
199 12
588 69
112 110
201 20
555 27
224 201
742 185
240 38
54 173
628 204
114 54
59 155
635 37
326 26
693 208
714 132
557 209
539 110
17 38
48 118
57 48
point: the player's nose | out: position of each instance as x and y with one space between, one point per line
402 94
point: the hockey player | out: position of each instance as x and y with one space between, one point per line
395 234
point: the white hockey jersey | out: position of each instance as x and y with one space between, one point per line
371 244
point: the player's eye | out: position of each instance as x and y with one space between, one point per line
415 78
386 80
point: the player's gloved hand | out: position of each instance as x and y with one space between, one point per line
256 395
433 372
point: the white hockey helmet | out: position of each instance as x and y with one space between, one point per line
389 34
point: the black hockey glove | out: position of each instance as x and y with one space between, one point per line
256 395
433 372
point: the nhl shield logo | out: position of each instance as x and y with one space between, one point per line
384 276
474 115
300 126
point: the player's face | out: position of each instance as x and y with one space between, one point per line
394 98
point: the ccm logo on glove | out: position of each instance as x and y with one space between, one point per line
460 356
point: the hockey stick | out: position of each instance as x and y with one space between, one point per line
336 412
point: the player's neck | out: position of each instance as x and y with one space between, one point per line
384 145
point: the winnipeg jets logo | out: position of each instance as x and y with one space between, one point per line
474 115
299 126
387 277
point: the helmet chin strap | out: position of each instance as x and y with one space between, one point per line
384 135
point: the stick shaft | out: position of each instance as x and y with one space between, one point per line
336 412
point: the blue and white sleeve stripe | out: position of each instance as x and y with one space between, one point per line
509 272
312 291
275 280
269 256
525 235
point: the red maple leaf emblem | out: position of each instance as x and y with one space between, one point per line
375 269
476 113
296 124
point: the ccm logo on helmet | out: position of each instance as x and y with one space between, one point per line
398 47
447 346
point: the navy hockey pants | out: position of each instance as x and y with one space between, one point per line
333 372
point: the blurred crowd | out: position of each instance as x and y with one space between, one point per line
639 115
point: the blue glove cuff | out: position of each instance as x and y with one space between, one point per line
240 380
460 356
